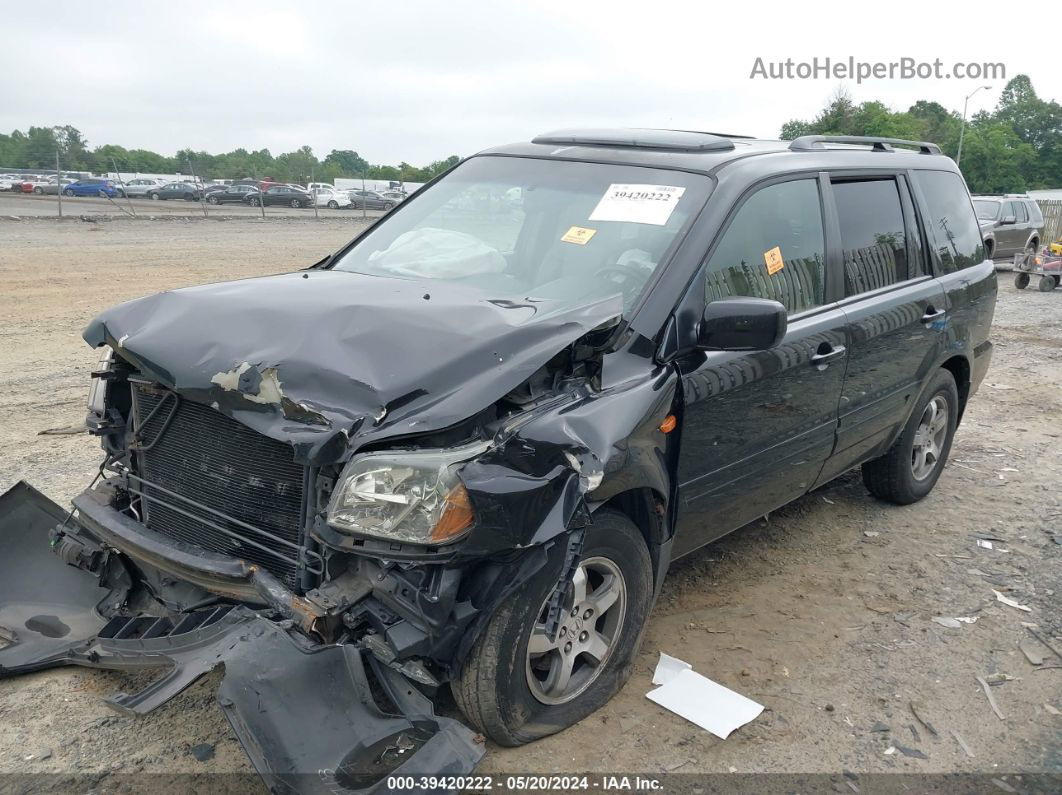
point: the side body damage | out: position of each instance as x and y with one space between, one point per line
148 572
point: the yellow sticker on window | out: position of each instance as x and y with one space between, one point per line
579 235
774 260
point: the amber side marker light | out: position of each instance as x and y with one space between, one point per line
669 423
457 516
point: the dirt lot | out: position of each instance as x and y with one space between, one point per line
822 612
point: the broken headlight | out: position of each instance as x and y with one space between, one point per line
97 399
412 497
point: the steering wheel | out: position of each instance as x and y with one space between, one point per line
627 278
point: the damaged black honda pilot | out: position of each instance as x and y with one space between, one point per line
464 449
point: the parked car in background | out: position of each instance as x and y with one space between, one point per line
370 200
91 186
51 188
176 190
230 194
1010 224
139 187
281 194
332 198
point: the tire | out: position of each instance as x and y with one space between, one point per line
333 205
493 688
388 206
212 200
1030 249
120 194
988 249
296 203
68 192
1047 284
1021 280
102 194
896 477
38 190
154 196
253 202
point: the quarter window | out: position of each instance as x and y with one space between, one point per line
873 237
773 248
952 223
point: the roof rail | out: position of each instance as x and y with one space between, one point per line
807 143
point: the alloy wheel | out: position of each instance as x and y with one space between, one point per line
561 667
929 438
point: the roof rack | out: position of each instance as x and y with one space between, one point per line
669 140
807 143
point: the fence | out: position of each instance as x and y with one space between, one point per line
1052 210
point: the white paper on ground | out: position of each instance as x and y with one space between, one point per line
667 667
708 704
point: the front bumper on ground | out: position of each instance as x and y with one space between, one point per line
307 714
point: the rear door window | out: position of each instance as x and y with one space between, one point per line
952 225
774 247
873 234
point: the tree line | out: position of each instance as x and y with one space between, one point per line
1011 149
37 148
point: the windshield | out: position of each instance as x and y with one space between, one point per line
986 211
526 228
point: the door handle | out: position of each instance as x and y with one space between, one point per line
932 314
823 359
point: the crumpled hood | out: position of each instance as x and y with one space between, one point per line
329 361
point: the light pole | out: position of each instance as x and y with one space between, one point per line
962 130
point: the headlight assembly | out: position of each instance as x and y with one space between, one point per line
413 497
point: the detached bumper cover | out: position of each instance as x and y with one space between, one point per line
306 714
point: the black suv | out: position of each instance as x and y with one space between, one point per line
465 448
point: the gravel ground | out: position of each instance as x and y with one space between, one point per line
822 612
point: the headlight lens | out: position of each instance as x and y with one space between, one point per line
413 497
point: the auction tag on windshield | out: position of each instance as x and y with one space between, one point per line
579 235
773 259
639 204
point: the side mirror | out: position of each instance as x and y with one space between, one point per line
741 324
1007 220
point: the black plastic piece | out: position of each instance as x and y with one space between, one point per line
668 140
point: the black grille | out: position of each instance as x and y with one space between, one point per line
209 481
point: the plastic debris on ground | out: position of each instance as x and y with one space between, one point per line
696 698
1010 602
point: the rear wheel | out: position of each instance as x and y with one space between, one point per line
253 202
333 205
212 200
38 190
68 192
911 467
296 203
388 205
520 682
1021 281
1047 283
154 196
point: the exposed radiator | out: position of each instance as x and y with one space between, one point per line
209 481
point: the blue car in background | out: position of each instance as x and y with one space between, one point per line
91 187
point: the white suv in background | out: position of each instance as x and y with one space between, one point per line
139 187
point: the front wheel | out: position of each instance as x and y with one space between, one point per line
68 193
912 466
212 200
525 679
253 202
333 205
38 190
154 196
1021 281
296 203
388 206
1047 284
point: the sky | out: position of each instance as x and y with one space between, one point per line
419 81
